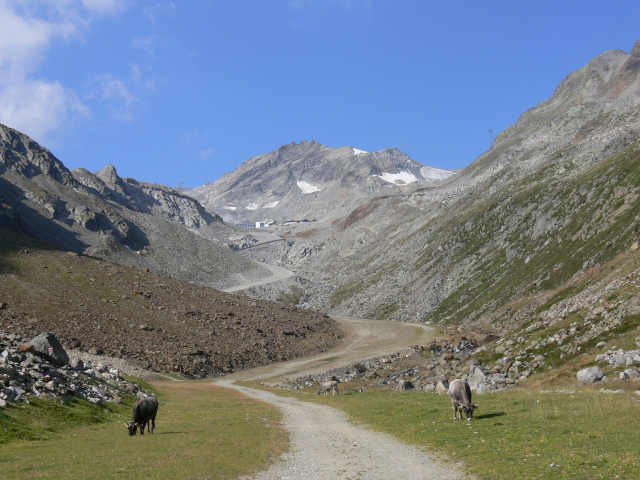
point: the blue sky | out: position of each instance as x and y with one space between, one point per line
180 92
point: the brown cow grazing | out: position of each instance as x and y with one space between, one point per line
460 395
144 413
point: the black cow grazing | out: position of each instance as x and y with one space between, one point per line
144 413
460 395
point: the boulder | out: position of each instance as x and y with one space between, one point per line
47 346
631 373
590 375
476 377
442 387
76 363
405 385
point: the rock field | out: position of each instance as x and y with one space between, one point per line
29 369
151 321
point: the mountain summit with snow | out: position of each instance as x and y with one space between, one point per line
308 180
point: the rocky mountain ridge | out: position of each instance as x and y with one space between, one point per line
119 219
309 180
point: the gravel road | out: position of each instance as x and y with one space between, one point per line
324 444
278 273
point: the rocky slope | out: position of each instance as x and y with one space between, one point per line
27 372
310 181
154 322
556 195
119 219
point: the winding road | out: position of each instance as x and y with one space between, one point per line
324 444
279 273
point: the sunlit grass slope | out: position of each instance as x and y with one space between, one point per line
202 431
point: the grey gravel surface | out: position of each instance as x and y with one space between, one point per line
324 444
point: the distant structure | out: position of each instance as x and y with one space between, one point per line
490 137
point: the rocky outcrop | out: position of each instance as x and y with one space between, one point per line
25 373
119 219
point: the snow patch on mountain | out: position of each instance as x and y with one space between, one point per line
272 204
252 206
432 173
358 152
307 187
399 178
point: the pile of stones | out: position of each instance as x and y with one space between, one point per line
620 357
41 368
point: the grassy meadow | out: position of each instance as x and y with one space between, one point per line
202 432
525 434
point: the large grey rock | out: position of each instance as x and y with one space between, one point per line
632 373
442 387
405 385
590 375
476 377
76 363
47 346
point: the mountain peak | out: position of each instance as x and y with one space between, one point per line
109 175
308 180
632 66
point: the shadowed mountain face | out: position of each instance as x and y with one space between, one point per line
310 181
122 220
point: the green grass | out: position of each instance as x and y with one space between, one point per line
516 434
202 431
42 420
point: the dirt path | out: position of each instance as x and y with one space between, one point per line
324 444
279 273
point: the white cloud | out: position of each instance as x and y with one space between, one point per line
38 108
204 154
115 94
27 29
154 11
23 40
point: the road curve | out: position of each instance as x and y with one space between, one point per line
324 443
365 339
279 273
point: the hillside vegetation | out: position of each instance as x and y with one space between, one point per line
557 194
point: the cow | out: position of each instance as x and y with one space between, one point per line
460 395
326 386
144 413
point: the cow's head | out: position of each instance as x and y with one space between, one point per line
133 428
468 410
